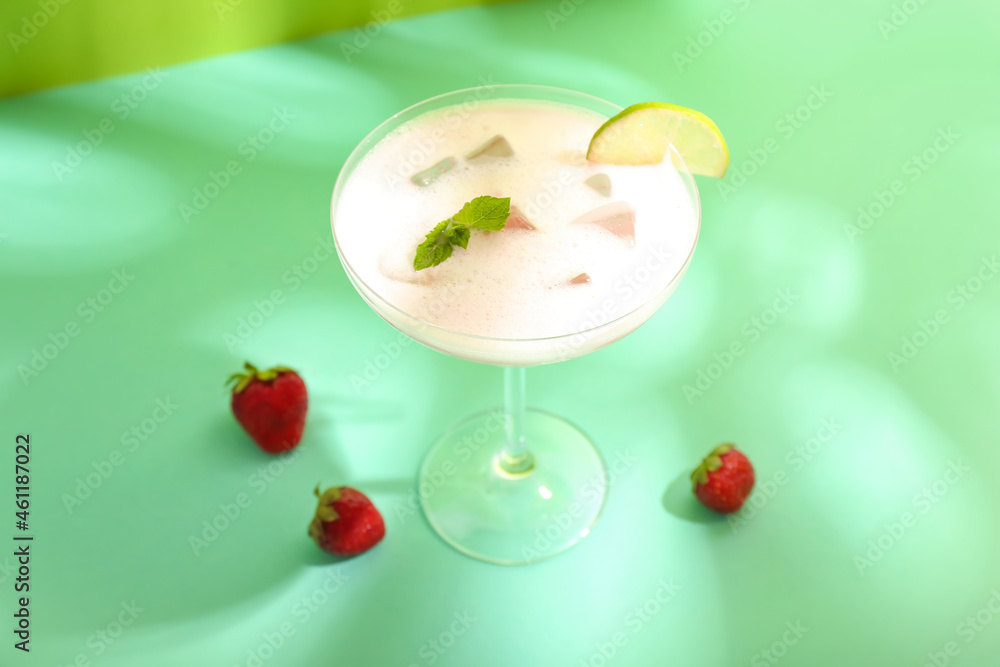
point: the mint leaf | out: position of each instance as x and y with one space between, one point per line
460 236
435 249
486 213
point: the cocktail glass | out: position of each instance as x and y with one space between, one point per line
513 485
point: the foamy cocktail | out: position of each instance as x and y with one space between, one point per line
588 253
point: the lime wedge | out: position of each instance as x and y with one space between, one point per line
641 134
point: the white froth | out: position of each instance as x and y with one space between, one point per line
512 284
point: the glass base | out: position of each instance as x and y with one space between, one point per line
507 519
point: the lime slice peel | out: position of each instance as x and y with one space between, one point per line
642 134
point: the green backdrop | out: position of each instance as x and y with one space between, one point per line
861 192
52 42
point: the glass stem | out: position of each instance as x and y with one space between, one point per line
515 458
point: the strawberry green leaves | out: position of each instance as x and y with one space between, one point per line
711 463
486 213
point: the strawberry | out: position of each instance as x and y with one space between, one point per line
724 479
270 406
346 522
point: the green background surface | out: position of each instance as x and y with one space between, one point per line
52 42
790 224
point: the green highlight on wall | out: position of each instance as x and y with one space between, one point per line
53 42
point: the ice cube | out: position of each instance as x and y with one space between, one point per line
397 265
582 279
572 158
516 220
617 217
429 175
495 147
601 183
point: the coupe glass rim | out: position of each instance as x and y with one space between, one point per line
381 131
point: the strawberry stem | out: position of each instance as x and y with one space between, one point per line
243 380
